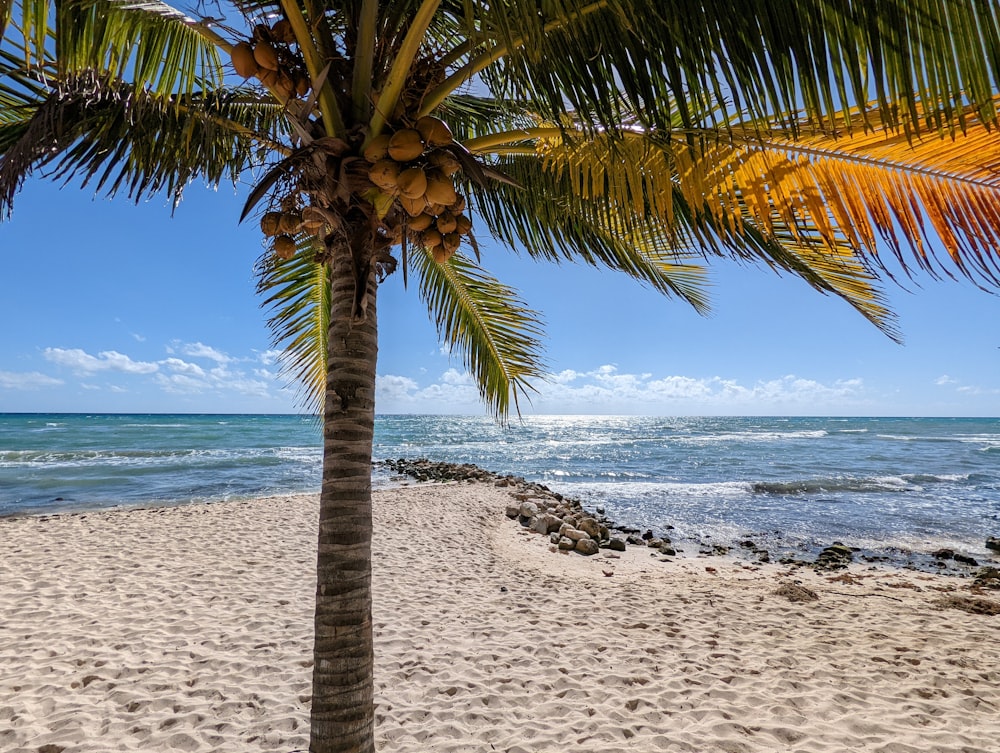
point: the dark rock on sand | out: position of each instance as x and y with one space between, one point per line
993 544
966 560
616 545
834 557
987 577
943 554
587 547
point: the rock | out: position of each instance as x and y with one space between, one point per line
566 544
587 546
634 540
943 554
966 560
545 523
616 545
590 527
600 510
668 550
528 510
987 577
993 544
763 556
554 537
513 511
648 534
655 543
574 534
834 557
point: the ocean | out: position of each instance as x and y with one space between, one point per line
882 484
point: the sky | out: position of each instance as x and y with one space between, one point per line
115 307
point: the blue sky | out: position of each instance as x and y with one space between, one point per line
114 307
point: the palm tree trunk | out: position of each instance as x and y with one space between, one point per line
343 688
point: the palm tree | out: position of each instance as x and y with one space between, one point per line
841 142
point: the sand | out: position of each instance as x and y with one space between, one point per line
189 629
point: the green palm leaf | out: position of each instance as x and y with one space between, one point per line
297 295
151 43
130 140
495 334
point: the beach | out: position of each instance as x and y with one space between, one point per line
189 628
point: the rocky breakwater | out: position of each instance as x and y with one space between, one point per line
569 526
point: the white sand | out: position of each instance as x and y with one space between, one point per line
189 629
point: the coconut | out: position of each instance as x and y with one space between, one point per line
444 161
421 222
412 183
440 254
284 247
463 225
434 209
378 148
291 222
314 218
265 55
302 83
270 223
267 76
413 207
430 238
451 242
312 225
457 206
440 189
285 85
281 31
405 145
434 132
446 222
384 174
243 60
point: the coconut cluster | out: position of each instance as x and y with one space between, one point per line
282 226
268 56
414 165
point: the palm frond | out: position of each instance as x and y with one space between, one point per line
873 190
130 140
711 63
149 42
483 320
622 202
297 296
550 220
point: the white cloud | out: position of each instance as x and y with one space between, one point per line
200 350
179 366
269 357
606 389
944 379
33 380
81 362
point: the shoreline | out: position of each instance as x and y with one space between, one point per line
831 556
190 628
949 560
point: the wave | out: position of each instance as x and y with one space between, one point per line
752 436
76 458
835 484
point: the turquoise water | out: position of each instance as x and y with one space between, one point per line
875 482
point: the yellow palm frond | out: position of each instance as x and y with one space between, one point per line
874 189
